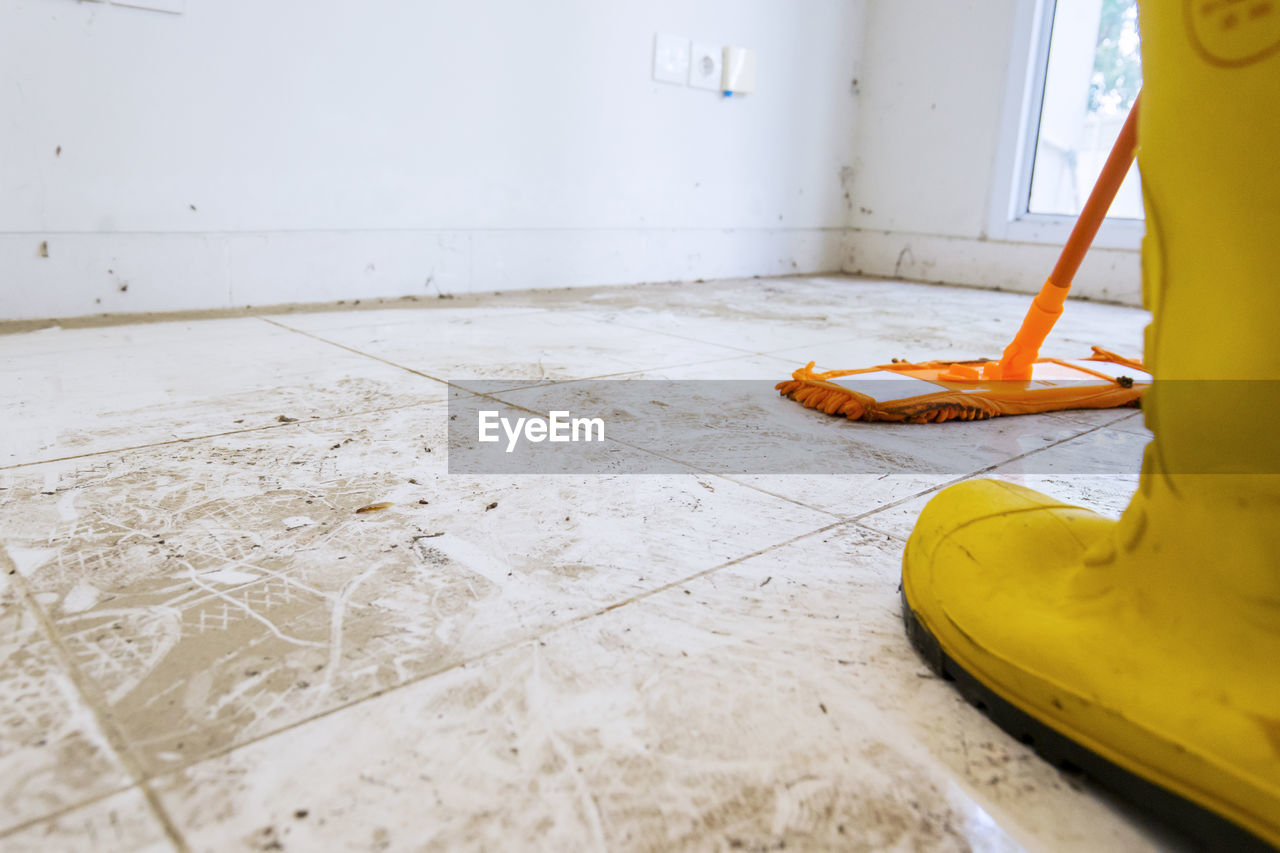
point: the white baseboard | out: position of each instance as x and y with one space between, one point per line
1111 275
87 274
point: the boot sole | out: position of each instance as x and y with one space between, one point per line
1201 826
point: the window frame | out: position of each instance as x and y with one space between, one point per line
1008 218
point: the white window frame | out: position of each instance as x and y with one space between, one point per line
1007 216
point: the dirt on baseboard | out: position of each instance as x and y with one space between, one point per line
537 298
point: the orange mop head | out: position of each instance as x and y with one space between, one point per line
938 391
1019 383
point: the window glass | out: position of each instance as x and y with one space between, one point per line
1094 73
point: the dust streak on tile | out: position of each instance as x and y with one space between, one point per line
53 755
205 615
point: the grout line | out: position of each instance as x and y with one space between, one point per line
680 462
354 351
693 470
730 479
988 469
452 385
622 374
844 516
860 526
705 572
64 811
737 354
205 436
416 311
1085 429
586 312
771 353
89 695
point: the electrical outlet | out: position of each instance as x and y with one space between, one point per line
704 66
670 59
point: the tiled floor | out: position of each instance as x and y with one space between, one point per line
203 646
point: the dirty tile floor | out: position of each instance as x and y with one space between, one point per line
203 646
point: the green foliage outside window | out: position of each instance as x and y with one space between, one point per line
1117 65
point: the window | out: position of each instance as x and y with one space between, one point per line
1074 73
1092 77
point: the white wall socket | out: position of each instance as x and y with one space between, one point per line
671 59
705 65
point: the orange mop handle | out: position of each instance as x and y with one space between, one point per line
1047 306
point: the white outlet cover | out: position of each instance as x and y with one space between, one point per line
739 70
704 66
670 59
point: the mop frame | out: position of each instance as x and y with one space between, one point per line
963 395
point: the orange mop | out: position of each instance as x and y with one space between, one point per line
1020 382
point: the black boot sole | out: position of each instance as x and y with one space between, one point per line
1201 827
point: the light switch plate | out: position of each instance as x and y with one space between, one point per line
739 70
670 59
704 66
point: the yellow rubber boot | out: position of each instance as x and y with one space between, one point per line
1147 651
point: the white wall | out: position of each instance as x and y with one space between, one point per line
933 81
250 152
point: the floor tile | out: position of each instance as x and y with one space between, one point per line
850 495
846 495
740 367
557 661
1135 425
520 346
749 328
120 822
428 312
215 591
923 323
53 755
796 297
643 730
1097 470
829 604
771 704
89 390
